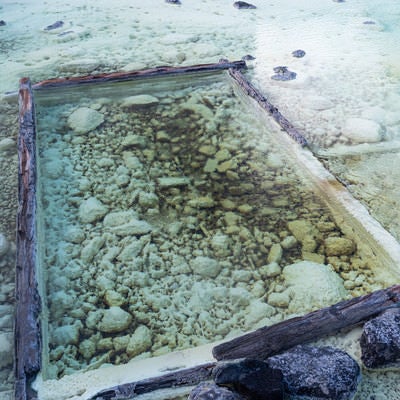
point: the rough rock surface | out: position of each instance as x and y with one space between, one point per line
243 5
140 341
85 119
92 210
4 245
6 349
318 372
313 285
380 340
140 100
253 379
211 391
115 319
361 130
205 266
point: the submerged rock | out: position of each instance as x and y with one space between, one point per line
243 5
140 100
67 334
362 130
4 245
7 144
339 246
298 53
173 2
380 340
283 74
211 391
313 286
6 349
115 319
139 342
318 373
92 210
56 25
85 119
205 266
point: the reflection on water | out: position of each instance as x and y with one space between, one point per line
167 220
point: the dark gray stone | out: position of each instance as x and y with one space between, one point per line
380 340
2 22
57 24
318 373
210 391
173 2
253 379
298 53
243 5
283 74
248 57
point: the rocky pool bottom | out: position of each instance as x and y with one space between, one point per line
176 219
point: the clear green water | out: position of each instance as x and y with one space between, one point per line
197 212
355 66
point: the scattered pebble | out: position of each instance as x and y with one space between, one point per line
298 53
56 25
243 5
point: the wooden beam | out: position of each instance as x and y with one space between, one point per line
186 377
28 303
271 340
145 73
250 90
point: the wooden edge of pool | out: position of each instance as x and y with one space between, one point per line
28 302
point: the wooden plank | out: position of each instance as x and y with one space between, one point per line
186 377
28 304
270 340
250 90
146 73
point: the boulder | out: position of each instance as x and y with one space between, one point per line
362 130
6 349
318 373
92 210
211 391
84 120
115 319
7 144
91 249
205 266
4 245
380 340
67 334
339 246
140 100
134 227
254 379
313 286
243 5
140 341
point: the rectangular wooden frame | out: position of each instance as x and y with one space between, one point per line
28 301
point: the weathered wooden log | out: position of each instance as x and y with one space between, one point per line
145 73
185 377
28 304
270 340
250 90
